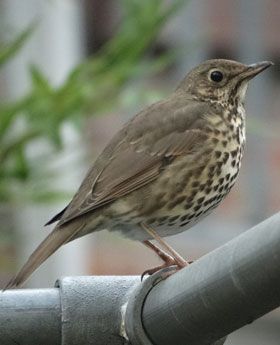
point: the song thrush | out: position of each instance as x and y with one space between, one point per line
166 169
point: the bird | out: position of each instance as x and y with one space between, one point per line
167 168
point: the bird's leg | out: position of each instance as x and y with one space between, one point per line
162 254
168 260
177 258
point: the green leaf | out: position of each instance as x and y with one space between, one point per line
8 114
16 144
10 50
39 81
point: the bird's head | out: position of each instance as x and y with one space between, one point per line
219 80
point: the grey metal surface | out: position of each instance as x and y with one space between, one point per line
91 309
133 317
224 290
133 314
30 317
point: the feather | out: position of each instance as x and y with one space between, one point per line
50 244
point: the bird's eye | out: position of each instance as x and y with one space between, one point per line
216 76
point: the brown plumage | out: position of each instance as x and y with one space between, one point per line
167 168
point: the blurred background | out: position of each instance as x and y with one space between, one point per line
72 72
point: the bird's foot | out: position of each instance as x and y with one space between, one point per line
168 262
176 261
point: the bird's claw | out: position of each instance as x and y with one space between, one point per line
172 263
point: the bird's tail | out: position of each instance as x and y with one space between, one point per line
50 244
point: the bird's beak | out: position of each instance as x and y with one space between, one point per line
252 70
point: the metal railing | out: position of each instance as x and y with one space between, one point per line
202 303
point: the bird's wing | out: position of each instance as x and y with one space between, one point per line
132 162
131 169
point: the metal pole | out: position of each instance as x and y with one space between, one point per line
92 308
30 317
219 293
223 291
79 311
